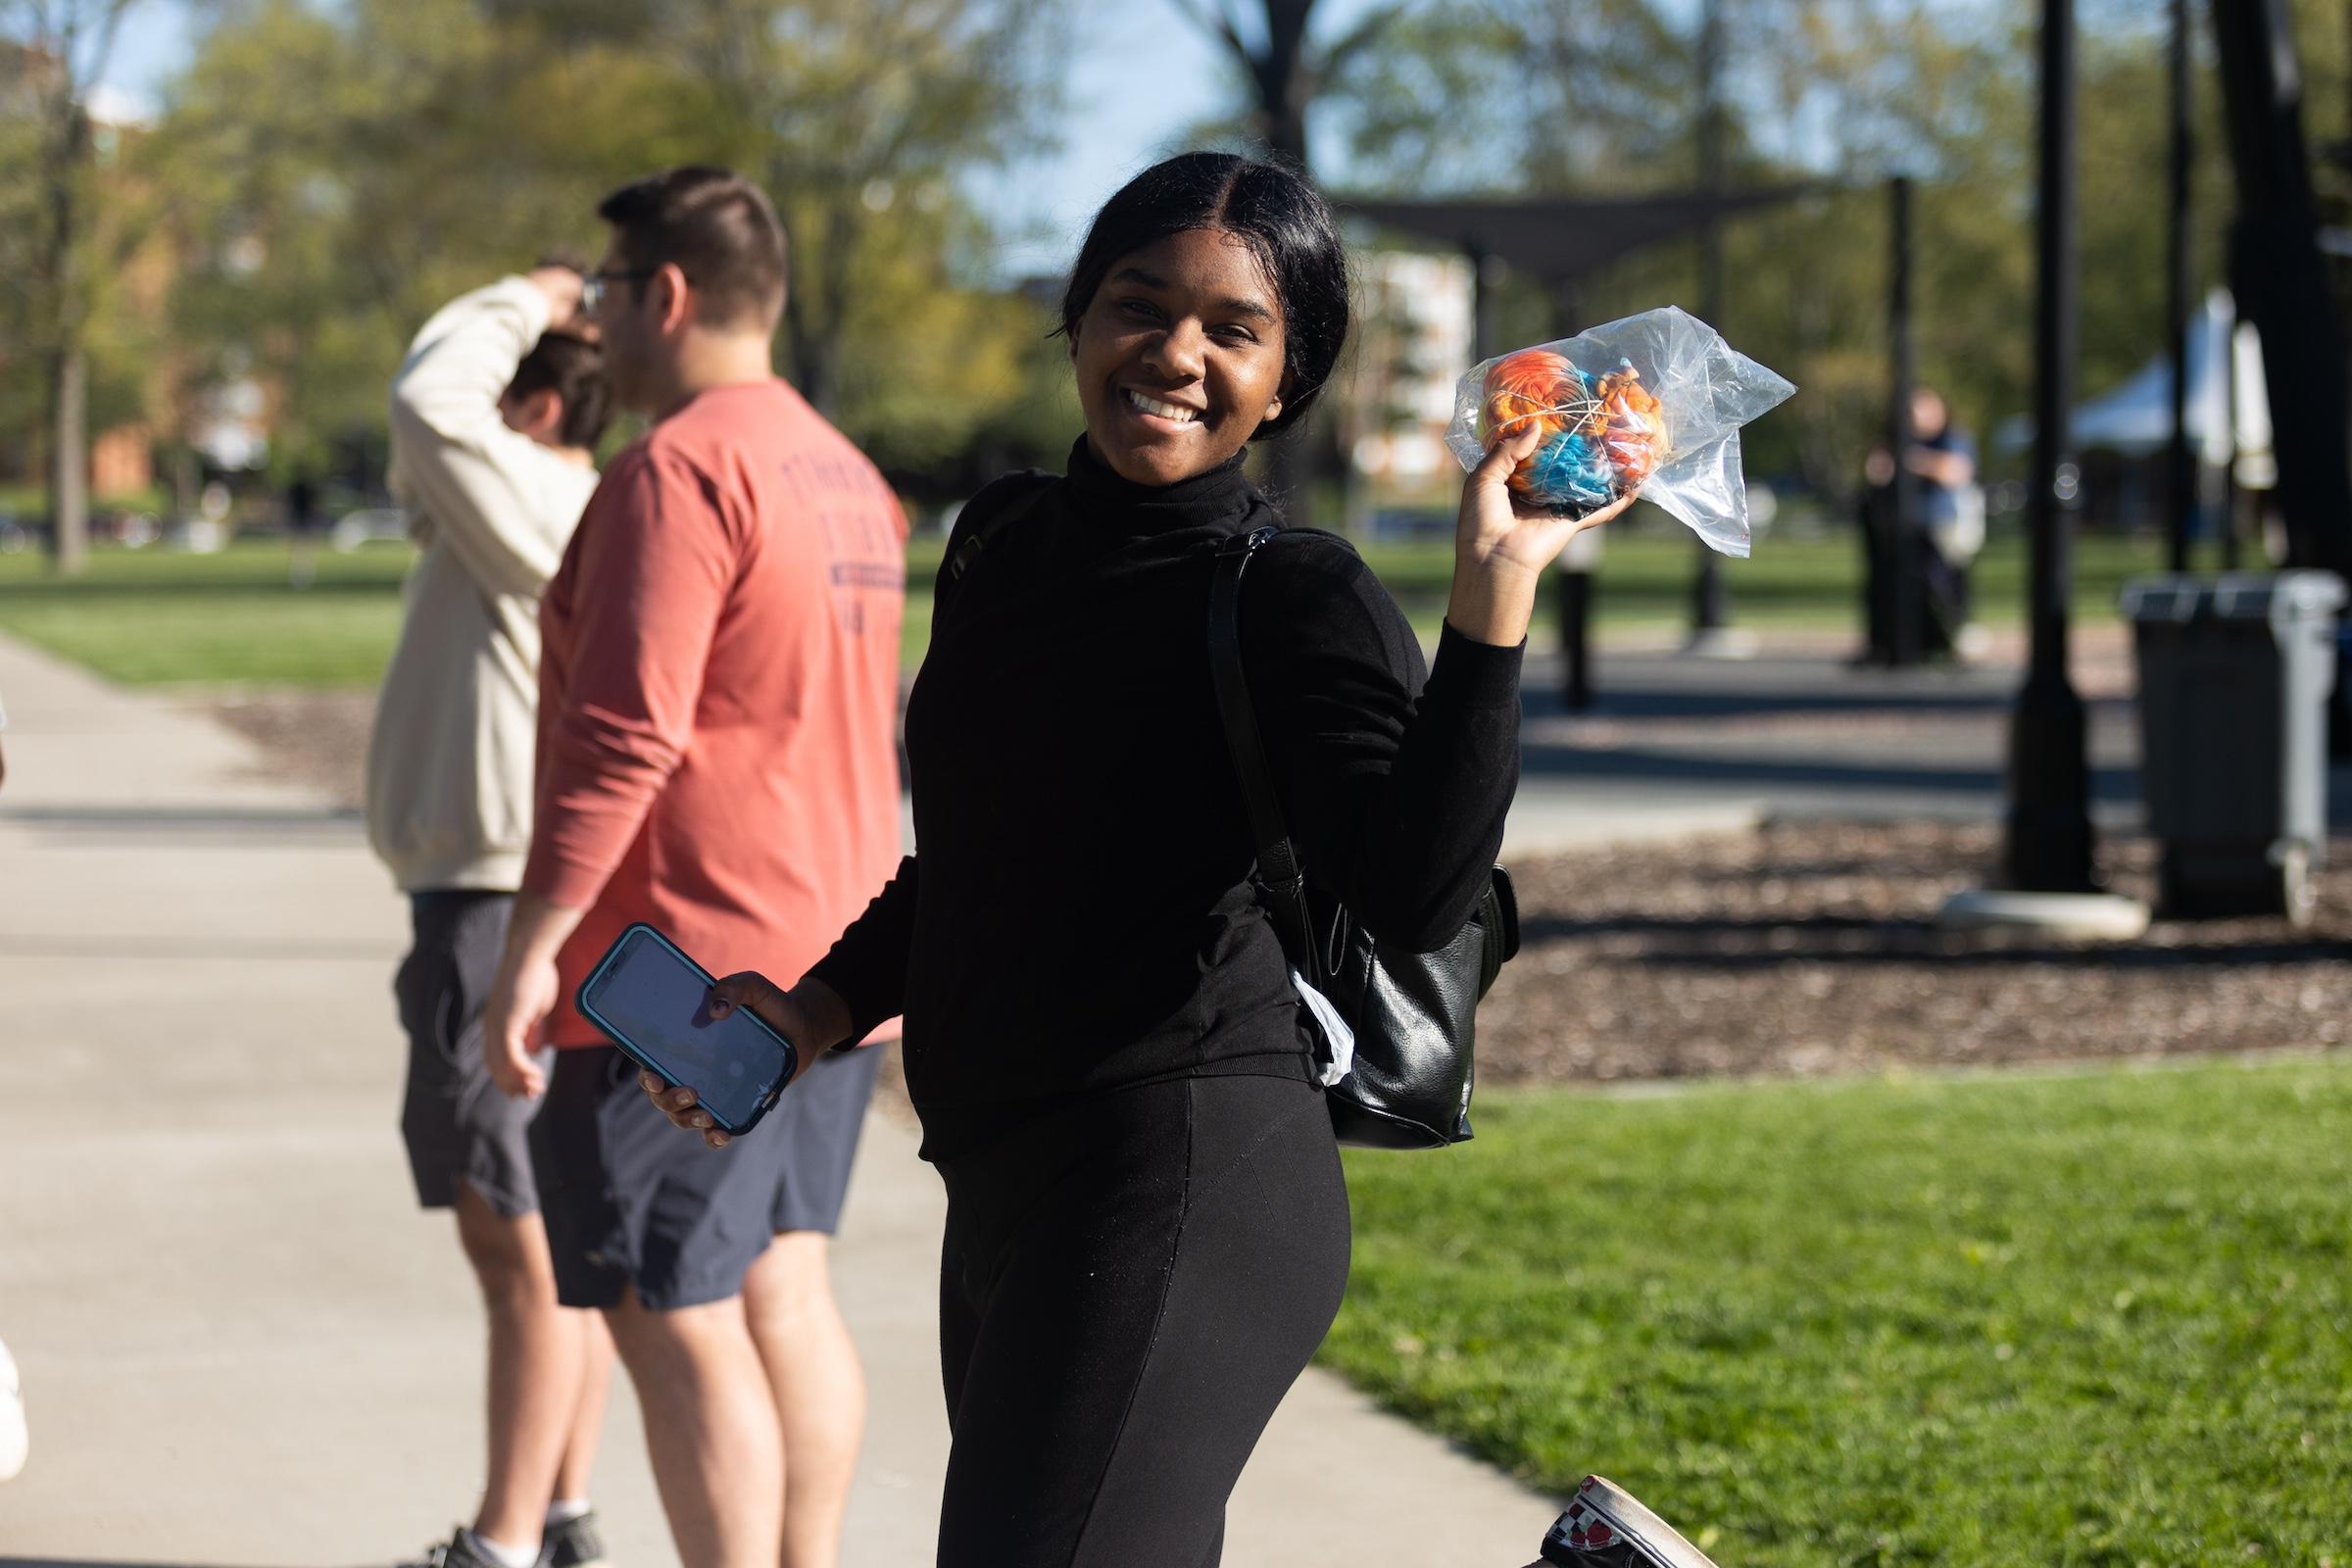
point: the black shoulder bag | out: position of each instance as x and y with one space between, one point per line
1396 1027
1024 490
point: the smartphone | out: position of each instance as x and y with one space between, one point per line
654 1002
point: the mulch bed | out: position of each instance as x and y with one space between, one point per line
1809 948
1798 949
318 739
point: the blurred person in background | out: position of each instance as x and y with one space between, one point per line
494 419
14 1437
718 759
304 524
1950 527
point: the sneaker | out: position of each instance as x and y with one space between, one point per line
1605 1528
573 1543
457 1551
14 1439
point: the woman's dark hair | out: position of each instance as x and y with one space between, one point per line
573 369
1282 217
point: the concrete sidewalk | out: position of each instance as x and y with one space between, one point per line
243 1346
1794 734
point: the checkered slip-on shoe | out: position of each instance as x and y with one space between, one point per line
1605 1528
574 1543
457 1551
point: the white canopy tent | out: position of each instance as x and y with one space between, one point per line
2135 418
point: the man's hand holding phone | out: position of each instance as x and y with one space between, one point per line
810 1014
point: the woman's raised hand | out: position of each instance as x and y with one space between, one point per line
1501 546
809 1016
1496 525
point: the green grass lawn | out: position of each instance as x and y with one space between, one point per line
146 616
1645 579
2084 1320
150 616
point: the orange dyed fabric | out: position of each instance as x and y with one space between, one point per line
1532 385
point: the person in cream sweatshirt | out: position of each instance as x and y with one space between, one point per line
495 417
495 414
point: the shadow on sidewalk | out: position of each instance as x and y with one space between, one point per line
156 827
1637 699
167 819
262 578
232 949
95 1562
1859 774
1854 941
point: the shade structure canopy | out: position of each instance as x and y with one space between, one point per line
1562 239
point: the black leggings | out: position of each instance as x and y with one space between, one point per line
1127 1290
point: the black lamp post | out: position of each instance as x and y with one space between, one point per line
2280 278
1708 615
2184 486
1905 588
2049 833
1486 303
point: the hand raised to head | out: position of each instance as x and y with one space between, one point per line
562 287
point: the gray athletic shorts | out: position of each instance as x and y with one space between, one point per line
459 1125
632 1198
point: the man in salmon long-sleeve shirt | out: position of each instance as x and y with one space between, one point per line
718 757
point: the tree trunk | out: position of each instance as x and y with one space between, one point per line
1290 462
1285 79
804 350
1290 473
186 481
814 299
68 369
1286 132
69 461
1284 87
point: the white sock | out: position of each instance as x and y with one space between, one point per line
563 1510
499 1552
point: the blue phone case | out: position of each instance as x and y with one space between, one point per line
584 1000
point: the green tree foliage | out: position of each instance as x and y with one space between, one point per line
1524 97
338 176
858 116
326 173
339 172
52 54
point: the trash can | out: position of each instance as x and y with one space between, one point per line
2234 675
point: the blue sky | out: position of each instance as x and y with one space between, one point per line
154 43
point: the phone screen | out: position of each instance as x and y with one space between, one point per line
647 995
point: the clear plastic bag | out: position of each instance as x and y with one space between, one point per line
1651 403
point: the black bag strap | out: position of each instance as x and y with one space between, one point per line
960 560
1278 868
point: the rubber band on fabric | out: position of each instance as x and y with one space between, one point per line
1603 435
1651 403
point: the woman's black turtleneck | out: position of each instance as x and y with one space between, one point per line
1078 916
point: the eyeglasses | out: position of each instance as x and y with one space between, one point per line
592 286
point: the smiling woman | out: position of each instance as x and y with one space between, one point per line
1148 1226
1174 381
1206 309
